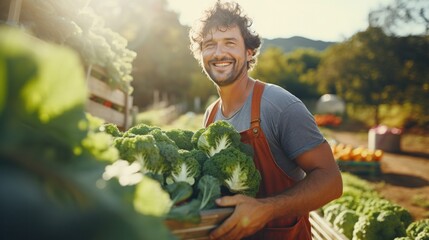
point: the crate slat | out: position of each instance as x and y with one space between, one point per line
101 92
360 168
100 89
210 219
322 230
108 114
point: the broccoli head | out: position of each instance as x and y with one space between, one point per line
151 199
196 137
419 229
218 136
111 129
199 155
184 169
167 147
379 225
140 129
332 210
345 222
143 149
376 205
182 138
235 170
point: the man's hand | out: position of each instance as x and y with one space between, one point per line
249 216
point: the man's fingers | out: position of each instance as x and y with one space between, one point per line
229 201
223 229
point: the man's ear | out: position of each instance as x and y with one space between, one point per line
249 54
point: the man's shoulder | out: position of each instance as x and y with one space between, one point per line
274 94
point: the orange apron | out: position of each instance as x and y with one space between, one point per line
274 180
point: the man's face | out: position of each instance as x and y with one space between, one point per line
224 55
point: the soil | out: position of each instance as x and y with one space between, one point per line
404 177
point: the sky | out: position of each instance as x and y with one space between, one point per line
325 20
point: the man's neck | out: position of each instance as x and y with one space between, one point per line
234 95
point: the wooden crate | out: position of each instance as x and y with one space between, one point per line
360 168
321 229
110 104
210 219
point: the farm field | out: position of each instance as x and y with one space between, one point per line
404 177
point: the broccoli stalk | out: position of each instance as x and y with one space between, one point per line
185 169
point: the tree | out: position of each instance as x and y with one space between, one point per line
363 70
288 70
413 54
164 62
401 15
271 66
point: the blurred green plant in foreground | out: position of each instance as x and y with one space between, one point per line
50 176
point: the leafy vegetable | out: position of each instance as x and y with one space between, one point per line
176 162
184 169
235 170
143 149
179 192
345 222
111 129
50 168
209 190
385 225
418 230
167 148
151 199
182 138
218 136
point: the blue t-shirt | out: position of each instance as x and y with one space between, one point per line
289 127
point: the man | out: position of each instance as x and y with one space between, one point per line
298 171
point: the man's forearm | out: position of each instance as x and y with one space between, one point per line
319 187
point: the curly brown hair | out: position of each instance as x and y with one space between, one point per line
221 16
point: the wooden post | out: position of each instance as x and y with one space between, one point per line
14 12
126 111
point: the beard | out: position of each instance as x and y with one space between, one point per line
229 77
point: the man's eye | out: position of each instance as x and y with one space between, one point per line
208 45
230 43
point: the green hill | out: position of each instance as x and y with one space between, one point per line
292 43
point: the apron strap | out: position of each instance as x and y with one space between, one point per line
212 112
255 117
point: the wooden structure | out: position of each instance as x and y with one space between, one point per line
14 12
210 219
110 104
322 229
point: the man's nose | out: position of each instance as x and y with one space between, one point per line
219 51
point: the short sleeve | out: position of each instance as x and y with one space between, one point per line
298 130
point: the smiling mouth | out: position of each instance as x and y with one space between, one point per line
222 63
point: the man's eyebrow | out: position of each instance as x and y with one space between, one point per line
231 39
224 39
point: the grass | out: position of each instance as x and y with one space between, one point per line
167 119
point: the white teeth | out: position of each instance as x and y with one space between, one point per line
221 64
